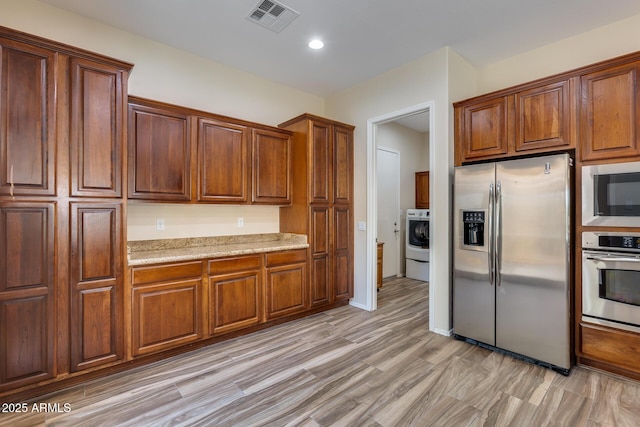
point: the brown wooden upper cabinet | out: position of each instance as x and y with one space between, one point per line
342 165
610 113
483 129
544 116
224 162
98 119
422 190
271 167
180 154
528 119
27 123
159 152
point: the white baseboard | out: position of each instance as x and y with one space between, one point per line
445 332
357 305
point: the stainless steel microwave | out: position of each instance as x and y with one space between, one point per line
611 195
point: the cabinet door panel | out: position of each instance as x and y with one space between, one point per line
485 129
320 253
224 162
96 284
342 165
97 130
321 162
27 122
320 279
25 339
543 117
271 168
285 290
610 113
234 301
159 154
98 324
26 293
166 315
343 253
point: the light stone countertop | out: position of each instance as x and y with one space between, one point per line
145 252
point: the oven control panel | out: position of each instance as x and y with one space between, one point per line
611 240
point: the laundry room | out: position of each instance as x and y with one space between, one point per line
402 186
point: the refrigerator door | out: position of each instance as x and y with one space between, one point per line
473 292
532 258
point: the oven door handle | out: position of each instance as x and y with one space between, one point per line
613 258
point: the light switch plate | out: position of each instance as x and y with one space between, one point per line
362 226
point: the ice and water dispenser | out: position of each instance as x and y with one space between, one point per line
473 228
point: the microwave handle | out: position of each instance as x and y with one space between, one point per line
612 258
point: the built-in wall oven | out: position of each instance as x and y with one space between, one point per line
611 195
611 279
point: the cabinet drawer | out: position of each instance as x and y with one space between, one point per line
619 348
288 257
162 273
230 265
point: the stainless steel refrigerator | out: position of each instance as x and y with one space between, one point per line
512 252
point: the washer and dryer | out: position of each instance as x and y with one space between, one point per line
417 258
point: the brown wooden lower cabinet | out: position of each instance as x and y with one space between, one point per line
611 349
342 253
97 284
286 283
27 322
173 306
235 293
166 306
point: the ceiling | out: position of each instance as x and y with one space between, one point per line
363 38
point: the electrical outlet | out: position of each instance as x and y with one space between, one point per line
240 221
160 224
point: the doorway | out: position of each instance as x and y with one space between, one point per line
388 208
372 128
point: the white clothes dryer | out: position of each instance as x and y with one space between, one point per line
417 256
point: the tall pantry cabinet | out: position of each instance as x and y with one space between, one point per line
322 203
62 113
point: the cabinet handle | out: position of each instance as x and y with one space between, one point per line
11 181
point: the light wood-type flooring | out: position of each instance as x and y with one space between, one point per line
347 367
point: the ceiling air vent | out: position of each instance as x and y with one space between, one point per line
272 15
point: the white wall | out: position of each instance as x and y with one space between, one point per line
166 74
412 146
415 83
597 45
195 220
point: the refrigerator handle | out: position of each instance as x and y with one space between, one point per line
490 239
498 233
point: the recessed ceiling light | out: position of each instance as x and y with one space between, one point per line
316 44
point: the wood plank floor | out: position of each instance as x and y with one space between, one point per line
346 367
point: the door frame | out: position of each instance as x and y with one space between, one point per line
398 217
372 202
